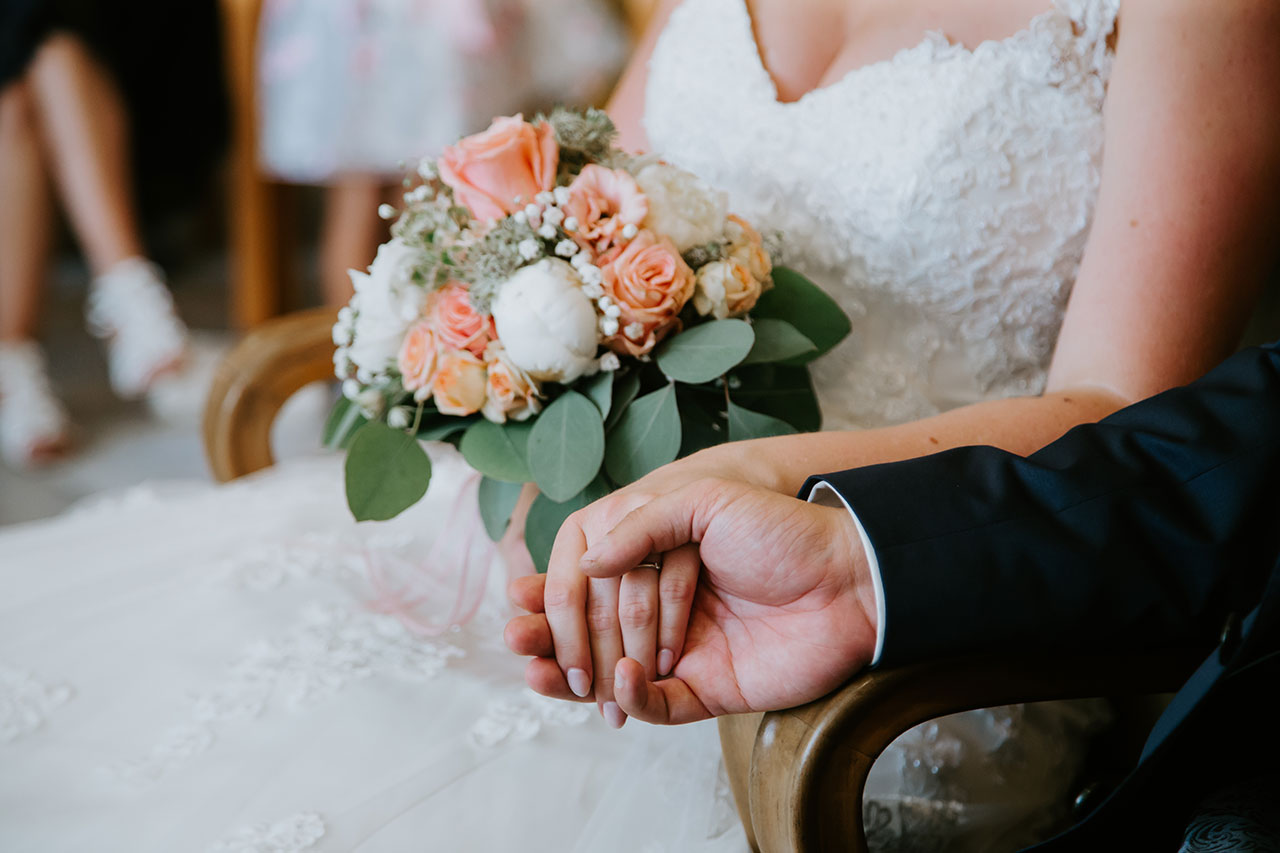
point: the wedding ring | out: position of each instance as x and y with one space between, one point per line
655 563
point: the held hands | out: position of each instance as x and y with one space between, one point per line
763 602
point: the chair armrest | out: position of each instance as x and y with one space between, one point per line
798 775
262 371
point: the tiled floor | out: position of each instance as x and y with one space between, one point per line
119 443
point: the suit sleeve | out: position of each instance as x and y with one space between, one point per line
1141 531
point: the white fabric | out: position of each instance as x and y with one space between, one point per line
824 494
943 197
202 671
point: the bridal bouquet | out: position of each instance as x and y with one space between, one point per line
567 315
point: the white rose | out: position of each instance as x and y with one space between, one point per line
682 206
386 303
725 289
546 322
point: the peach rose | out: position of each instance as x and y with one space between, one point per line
746 246
459 386
418 359
726 289
509 391
650 283
490 170
458 324
604 201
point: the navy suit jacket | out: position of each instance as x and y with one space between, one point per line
1153 528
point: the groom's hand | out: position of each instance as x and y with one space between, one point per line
782 613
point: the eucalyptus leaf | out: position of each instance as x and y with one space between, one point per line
499 451
779 390
344 421
566 446
702 421
546 516
705 352
599 390
439 430
497 501
387 472
624 391
804 305
744 424
777 340
646 437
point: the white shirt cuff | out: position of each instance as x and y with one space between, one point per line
824 494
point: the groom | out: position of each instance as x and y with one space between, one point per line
1157 527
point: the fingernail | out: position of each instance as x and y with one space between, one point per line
579 683
613 715
666 659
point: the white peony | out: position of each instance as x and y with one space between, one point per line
386 303
546 322
682 206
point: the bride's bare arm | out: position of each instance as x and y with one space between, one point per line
1183 236
626 107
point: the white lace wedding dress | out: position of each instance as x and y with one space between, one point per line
207 670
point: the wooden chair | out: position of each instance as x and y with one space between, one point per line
262 371
797 775
260 279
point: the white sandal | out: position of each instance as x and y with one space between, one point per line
34 426
130 307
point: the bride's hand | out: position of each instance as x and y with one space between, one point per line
783 611
598 621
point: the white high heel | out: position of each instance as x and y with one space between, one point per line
131 309
34 426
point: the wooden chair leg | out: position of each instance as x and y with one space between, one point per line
258 276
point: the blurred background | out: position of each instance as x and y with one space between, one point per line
233 154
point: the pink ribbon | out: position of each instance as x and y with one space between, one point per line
462 546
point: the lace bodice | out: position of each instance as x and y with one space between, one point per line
942 196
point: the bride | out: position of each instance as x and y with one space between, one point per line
209 670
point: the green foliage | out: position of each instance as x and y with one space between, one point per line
499 451
387 471
781 391
646 436
800 302
777 340
344 421
624 391
566 446
441 427
497 501
705 352
599 390
702 421
744 424
546 516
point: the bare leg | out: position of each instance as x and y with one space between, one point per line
350 234
86 134
25 215
33 424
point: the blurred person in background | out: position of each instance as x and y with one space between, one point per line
352 93
64 126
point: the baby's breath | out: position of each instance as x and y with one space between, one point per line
489 263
